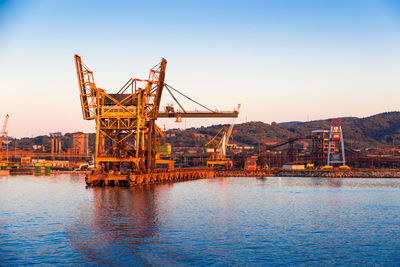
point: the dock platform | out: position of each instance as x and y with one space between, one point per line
156 177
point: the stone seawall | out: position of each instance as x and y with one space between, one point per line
340 174
243 173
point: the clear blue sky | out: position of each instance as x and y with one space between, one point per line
283 60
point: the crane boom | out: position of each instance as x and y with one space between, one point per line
225 138
229 134
4 132
87 89
158 74
199 114
211 142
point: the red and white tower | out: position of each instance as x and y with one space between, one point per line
335 137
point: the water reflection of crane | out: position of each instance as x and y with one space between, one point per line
323 182
121 218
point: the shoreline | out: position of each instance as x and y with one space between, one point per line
356 173
384 174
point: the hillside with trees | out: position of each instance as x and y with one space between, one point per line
377 131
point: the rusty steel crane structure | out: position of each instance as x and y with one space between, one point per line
2 135
126 133
125 121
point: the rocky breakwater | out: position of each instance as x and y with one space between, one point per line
395 173
243 173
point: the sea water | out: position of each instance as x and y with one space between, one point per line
229 221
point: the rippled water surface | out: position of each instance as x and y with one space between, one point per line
275 221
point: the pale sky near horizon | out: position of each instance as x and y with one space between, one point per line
282 60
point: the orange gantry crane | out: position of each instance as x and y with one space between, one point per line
126 133
125 121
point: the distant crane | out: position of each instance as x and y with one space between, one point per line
218 148
2 135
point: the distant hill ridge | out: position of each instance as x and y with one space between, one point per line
377 131
290 123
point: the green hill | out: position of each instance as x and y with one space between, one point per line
377 131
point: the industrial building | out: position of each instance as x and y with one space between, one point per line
80 143
320 147
56 145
